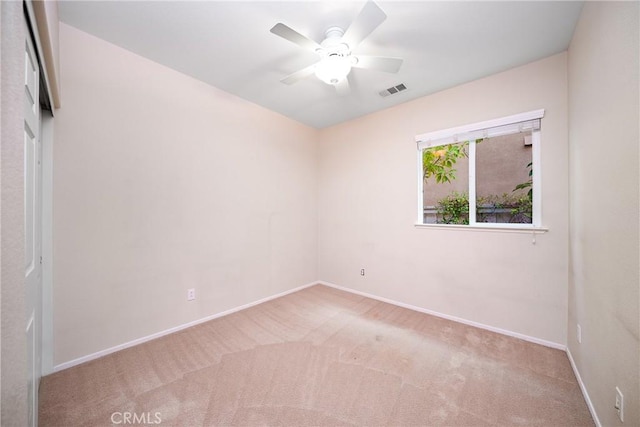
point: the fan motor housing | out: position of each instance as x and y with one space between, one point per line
333 44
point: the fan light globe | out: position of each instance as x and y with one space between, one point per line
333 69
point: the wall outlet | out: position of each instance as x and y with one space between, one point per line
362 271
620 404
579 334
191 294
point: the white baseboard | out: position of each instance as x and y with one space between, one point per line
141 340
449 317
587 399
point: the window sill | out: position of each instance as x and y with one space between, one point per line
488 227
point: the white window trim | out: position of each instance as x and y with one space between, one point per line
486 226
472 132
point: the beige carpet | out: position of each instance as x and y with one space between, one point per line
322 357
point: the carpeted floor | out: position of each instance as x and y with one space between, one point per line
321 357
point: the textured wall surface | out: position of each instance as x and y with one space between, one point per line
368 204
605 212
12 284
163 183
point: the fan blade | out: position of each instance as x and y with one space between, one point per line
293 36
380 63
368 20
299 75
343 88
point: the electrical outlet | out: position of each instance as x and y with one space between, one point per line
191 294
620 404
579 334
362 271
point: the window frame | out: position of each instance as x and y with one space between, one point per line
471 132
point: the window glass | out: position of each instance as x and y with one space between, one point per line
504 189
446 184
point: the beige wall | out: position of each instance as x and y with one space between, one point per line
163 183
13 348
604 266
368 206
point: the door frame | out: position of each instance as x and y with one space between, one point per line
46 173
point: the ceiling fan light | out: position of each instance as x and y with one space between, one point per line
333 69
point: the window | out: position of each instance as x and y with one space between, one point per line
485 174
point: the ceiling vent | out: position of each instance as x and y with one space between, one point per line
392 90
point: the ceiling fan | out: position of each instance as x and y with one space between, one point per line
336 50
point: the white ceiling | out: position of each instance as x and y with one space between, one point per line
228 44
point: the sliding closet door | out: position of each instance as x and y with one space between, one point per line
32 215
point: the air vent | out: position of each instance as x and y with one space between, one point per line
392 90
